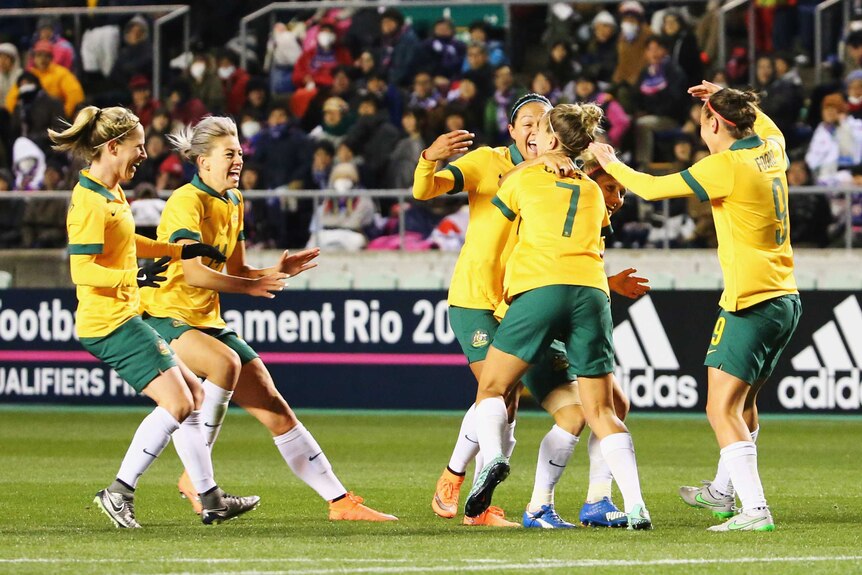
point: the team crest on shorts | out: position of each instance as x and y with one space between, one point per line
560 362
178 323
163 348
480 338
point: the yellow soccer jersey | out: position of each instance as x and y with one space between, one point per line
560 236
747 188
103 251
196 212
474 283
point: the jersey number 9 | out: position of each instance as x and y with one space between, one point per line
779 196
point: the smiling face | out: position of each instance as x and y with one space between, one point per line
128 153
613 191
222 167
526 127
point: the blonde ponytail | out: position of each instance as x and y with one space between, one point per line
93 128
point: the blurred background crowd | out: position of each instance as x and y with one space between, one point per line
344 100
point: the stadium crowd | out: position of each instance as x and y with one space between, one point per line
344 100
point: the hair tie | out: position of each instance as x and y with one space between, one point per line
711 109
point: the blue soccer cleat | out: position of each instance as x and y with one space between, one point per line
546 518
479 499
602 514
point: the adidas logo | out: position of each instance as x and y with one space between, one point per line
642 349
836 357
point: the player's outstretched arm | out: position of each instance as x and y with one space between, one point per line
201 276
644 185
555 161
427 182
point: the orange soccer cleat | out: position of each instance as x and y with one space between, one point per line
445 501
491 517
188 491
350 508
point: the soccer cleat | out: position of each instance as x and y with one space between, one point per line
118 507
602 513
704 497
494 473
350 508
230 506
188 491
639 518
445 501
491 517
546 518
757 520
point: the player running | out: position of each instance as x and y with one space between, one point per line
744 179
187 313
103 250
556 287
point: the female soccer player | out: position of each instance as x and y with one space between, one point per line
744 179
187 311
103 250
556 287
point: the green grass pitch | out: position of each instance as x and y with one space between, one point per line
52 461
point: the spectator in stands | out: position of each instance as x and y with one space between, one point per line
204 82
853 51
561 63
11 213
314 69
632 43
366 63
171 173
545 84
764 73
282 150
616 121
43 224
466 100
282 51
256 100
147 209
10 68
135 56
600 55
336 122
810 213
233 80
339 222
373 138
35 112
785 98
708 31
442 54
398 48
854 93
661 99
48 29
479 70
480 34
497 108
185 108
157 152
402 164
321 165
390 97
424 95
143 104
682 44
342 87
837 141
161 123
57 81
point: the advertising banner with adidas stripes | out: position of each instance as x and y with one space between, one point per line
395 350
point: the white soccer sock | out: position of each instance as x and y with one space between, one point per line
601 478
191 445
150 440
740 458
213 410
467 446
554 453
619 452
722 483
491 422
306 459
509 440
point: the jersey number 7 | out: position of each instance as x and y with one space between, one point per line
573 207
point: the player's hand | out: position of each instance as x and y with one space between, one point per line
448 145
264 286
191 251
628 285
604 153
150 274
295 264
704 90
558 162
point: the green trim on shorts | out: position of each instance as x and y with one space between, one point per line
474 329
580 316
550 372
458 187
86 249
135 350
748 343
172 329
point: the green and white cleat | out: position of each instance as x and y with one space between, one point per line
705 498
757 520
639 518
489 478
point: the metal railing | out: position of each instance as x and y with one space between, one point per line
403 197
169 12
818 31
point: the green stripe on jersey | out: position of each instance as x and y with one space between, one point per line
695 186
510 215
86 249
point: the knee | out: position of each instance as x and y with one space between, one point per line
180 407
570 419
230 366
716 414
